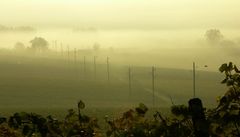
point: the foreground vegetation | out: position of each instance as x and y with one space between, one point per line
185 121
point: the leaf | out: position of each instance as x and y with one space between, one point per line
180 110
236 69
26 129
223 67
234 112
81 105
142 109
213 128
230 82
109 133
224 81
235 76
222 113
230 66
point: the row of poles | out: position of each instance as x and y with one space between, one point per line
129 71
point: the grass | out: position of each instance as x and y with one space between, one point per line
47 85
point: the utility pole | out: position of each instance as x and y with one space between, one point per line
84 67
61 49
68 54
194 80
130 81
56 45
53 43
95 67
75 61
108 73
153 86
75 56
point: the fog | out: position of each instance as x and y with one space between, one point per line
169 35
163 31
140 14
163 48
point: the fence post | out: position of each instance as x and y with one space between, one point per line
200 124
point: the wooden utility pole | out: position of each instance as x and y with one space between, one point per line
53 43
75 62
56 45
95 66
108 73
84 67
130 81
61 49
68 54
153 86
194 80
75 56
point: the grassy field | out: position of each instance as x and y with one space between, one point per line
48 85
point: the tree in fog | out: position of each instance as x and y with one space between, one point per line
96 46
213 36
39 44
19 46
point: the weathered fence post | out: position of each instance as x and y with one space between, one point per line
200 124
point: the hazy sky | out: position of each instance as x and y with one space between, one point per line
164 14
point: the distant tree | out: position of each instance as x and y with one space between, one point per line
39 44
111 49
213 36
19 46
96 46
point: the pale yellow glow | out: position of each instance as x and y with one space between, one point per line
123 13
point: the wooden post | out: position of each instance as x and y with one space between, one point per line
61 49
84 67
56 45
130 81
194 80
108 73
200 124
153 86
95 67
53 43
75 56
68 54
75 62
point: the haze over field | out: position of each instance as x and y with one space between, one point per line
119 68
137 33
167 30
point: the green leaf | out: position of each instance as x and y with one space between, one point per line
222 113
234 112
230 66
236 69
81 105
142 109
223 67
230 82
224 81
235 76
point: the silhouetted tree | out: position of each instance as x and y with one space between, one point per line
39 44
213 36
19 46
96 46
